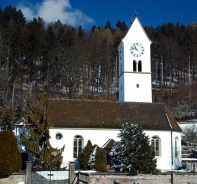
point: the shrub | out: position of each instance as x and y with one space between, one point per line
10 157
100 161
97 159
85 156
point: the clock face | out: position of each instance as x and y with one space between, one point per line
137 49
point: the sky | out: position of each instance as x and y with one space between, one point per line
97 12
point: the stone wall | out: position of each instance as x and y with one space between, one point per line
13 179
175 178
35 179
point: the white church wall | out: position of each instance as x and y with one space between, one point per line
177 159
145 58
142 93
101 136
136 34
96 136
164 161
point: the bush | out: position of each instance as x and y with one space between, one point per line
10 157
100 161
97 159
85 156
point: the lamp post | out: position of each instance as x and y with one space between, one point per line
50 172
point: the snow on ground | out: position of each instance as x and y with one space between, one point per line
55 175
59 175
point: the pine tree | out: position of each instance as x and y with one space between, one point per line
18 114
100 160
92 158
133 152
97 159
6 122
37 141
85 156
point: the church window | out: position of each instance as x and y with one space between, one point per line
58 136
78 144
139 66
176 147
155 143
134 65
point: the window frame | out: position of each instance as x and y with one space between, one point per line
77 145
176 151
57 137
156 145
134 66
140 66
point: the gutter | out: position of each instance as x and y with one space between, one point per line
172 160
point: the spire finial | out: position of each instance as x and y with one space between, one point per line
131 20
135 13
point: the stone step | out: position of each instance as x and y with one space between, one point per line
185 155
184 151
189 160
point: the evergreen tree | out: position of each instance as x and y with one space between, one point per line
97 159
10 157
133 152
108 25
18 114
100 160
85 156
37 140
81 32
93 29
121 25
92 158
6 122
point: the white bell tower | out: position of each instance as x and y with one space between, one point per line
135 65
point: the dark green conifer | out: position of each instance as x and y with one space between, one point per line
10 157
100 160
97 159
85 156
37 140
133 152
6 122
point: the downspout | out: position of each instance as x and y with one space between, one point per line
172 160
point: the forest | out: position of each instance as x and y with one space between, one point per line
80 63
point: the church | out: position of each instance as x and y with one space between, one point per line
77 121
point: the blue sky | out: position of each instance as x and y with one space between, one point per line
97 12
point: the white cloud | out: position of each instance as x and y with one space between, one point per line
53 10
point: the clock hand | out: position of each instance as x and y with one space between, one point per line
134 47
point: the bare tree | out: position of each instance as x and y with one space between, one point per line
190 134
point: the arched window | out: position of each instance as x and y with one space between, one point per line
155 143
134 65
139 66
78 144
176 146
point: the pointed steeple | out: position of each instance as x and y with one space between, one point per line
135 65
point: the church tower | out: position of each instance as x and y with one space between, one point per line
135 65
